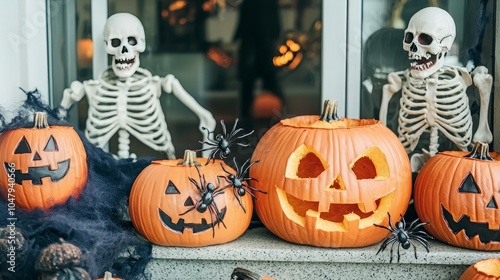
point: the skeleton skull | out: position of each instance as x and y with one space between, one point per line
125 40
427 39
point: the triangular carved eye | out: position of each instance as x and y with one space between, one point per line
305 162
171 188
469 185
51 145
492 204
23 147
189 202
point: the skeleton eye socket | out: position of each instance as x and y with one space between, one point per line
115 42
424 39
408 37
132 41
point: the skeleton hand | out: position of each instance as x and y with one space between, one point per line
418 160
61 113
70 96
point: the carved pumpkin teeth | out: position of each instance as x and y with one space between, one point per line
340 217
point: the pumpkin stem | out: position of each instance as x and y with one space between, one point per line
107 276
480 151
329 111
189 159
40 120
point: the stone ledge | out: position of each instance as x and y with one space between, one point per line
264 253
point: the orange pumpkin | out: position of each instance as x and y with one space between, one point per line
176 203
108 276
459 194
488 269
44 166
329 180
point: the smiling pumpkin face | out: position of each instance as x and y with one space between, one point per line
328 183
174 205
460 197
43 165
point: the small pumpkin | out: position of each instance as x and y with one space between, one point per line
71 273
488 269
108 276
182 203
458 193
41 166
245 274
329 180
58 256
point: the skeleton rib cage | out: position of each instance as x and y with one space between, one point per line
132 106
438 103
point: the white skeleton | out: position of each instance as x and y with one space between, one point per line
433 96
126 97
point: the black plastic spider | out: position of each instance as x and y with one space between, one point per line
221 143
404 236
238 181
208 192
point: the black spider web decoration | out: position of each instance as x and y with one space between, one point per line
402 235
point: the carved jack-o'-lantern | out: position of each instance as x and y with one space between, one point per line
176 203
41 166
459 194
329 181
487 269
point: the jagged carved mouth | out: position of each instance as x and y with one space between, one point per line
124 63
181 224
424 63
470 228
35 174
341 217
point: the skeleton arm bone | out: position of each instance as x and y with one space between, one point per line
483 81
75 93
388 91
171 85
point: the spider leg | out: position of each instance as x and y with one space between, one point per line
385 243
422 234
392 228
248 167
422 241
392 247
403 220
384 227
217 215
223 168
189 210
196 184
224 131
254 189
414 249
413 227
211 211
239 200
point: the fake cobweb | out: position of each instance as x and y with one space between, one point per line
92 222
